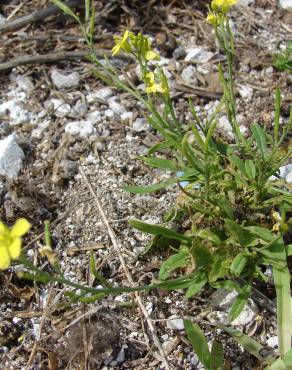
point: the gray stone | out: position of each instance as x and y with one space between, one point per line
127 116
67 169
65 81
285 172
80 128
11 157
175 323
24 83
2 19
286 4
117 108
179 53
245 2
245 92
140 125
189 75
61 109
16 113
100 95
94 117
198 55
225 126
80 109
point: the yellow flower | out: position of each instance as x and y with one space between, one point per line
151 55
222 6
122 43
152 86
10 241
212 18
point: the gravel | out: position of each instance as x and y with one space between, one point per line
11 157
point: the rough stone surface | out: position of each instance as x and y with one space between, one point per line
286 4
140 124
174 323
61 109
285 173
11 156
198 55
189 75
80 128
101 94
245 2
65 81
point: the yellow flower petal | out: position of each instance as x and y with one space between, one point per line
116 49
151 55
3 228
15 248
4 258
20 228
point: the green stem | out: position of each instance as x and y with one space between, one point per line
284 316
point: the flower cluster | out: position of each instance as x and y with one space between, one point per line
155 84
218 9
138 45
10 241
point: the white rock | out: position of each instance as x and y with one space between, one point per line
224 125
24 83
80 108
189 75
140 124
285 172
61 109
245 92
65 81
286 4
11 156
245 2
117 108
273 342
101 94
17 114
127 116
175 323
109 113
2 19
80 128
38 131
94 117
244 130
198 55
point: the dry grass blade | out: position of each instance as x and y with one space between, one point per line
125 268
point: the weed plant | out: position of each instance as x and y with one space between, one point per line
238 220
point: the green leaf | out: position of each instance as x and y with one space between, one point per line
149 188
260 232
175 261
238 264
202 257
288 358
196 285
250 169
65 9
159 146
160 163
226 207
217 356
159 230
207 234
260 138
199 342
238 163
239 302
218 271
227 284
289 249
243 236
274 251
